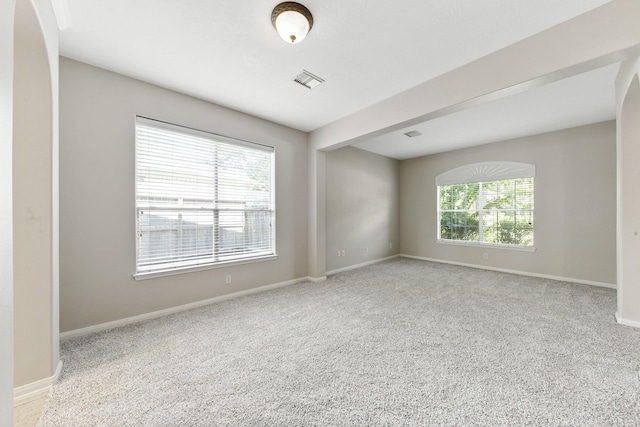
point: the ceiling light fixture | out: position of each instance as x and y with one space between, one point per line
292 21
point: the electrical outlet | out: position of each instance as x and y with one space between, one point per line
485 255
366 249
390 245
227 279
343 252
339 253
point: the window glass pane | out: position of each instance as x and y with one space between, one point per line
458 196
524 193
524 227
506 212
171 235
499 194
459 226
445 225
490 227
446 197
489 194
467 196
506 228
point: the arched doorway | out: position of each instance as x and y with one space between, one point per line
33 202
629 204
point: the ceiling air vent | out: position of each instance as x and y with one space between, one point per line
308 80
413 133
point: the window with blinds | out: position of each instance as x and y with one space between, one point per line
491 212
201 199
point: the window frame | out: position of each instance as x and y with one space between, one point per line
485 172
217 260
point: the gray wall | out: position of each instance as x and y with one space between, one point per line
97 241
575 204
362 207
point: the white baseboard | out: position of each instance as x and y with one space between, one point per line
622 321
521 273
155 314
364 264
35 390
317 279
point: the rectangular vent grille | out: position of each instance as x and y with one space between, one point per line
308 80
413 134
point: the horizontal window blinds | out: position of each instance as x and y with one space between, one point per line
200 198
493 212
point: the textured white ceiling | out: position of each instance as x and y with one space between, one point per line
227 52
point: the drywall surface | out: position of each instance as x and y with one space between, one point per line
97 249
575 204
32 201
35 192
628 150
317 214
567 49
362 207
6 211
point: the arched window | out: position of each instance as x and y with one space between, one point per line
489 203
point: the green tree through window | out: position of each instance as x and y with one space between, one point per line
493 212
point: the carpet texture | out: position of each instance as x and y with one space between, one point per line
402 342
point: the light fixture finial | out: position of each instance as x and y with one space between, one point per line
292 21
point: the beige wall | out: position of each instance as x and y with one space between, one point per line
32 201
557 56
97 250
575 199
35 196
361 207
317 212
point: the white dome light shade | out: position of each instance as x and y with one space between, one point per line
292 21
292 26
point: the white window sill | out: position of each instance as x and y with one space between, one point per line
190 269
487 245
